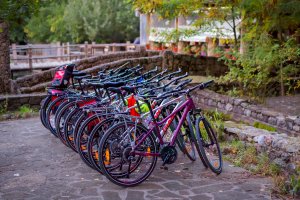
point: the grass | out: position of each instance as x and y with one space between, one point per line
24 111
3 107
264 126
200 79
216 119
246 156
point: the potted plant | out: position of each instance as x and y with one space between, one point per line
157 46
175 47
148 46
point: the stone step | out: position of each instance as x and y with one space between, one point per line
281 148
36 88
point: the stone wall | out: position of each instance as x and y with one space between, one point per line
13 102
46 76
241 109
147 62
195 65
280 148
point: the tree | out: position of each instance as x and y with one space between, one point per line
209 12
270 28
48 24
80 20
10 14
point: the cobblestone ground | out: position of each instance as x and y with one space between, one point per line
36 165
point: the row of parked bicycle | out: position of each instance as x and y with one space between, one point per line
122 120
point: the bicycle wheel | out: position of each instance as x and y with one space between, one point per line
44 104
94 140
50 114
118 163
208 144
69 127
83 137
60 119
184 139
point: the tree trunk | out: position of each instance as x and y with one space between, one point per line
243 44
148 27
234 29
5 73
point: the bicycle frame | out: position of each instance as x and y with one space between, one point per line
187 106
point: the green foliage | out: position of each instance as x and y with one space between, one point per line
79 20
17 14
216 119
288 184
174 35
3 107
146 6
25 109
266 167
259 72
48 25
272 57
247 156
264 126
268 28
295 183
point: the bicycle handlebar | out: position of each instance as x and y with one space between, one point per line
178 92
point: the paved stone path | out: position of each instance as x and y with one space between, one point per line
35 165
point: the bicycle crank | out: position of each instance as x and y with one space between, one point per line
168 154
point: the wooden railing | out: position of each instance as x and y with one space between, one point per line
26 56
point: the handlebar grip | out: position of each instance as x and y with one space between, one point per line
207 83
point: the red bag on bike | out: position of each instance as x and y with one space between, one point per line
62 76
131 102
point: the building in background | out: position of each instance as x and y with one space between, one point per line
159 34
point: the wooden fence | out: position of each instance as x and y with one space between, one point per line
28 55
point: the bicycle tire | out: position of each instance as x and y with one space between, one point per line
94 140
117 179
209 134
52 110
64 109
81 141
42 112
69 128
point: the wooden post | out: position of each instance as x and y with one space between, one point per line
68 51
29 50
63 51
181 46
14 50
86 49
93 48
127 45
148 28
58 50
211 46
114 49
